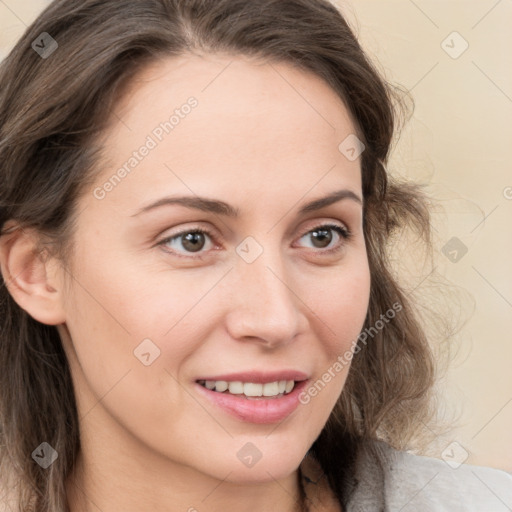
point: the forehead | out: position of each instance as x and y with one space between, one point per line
230 82
253 123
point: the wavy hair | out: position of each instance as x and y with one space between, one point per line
53 111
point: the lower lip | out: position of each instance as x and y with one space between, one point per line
260 410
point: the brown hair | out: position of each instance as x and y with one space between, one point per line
51 112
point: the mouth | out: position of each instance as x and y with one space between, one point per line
251 390
254 397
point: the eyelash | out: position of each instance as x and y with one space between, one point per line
343 232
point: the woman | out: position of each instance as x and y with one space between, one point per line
199 312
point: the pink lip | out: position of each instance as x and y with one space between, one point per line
262 409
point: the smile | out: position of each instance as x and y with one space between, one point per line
275 389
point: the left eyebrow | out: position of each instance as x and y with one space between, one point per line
334 197
222 208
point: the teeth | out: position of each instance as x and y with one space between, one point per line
271 388
250 389
220 385
236 388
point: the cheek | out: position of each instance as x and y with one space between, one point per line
115 310
341 304
132 332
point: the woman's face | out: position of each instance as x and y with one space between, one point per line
271 292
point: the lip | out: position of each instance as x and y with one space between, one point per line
262 409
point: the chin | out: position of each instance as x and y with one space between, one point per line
275 468
255 459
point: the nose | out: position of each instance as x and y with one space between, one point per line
263 305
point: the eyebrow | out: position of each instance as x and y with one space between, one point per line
222 208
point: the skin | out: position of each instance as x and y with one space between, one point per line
263 138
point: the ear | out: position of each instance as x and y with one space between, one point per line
31 277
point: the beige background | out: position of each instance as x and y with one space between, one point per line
458 142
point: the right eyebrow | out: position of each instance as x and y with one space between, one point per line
195 202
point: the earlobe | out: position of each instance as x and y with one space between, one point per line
30 277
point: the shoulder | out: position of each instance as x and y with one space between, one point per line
409 482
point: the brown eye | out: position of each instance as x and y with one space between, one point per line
322 237
193 242
190 241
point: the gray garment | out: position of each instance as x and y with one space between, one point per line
388 480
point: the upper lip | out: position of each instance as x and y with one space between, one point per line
259 376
